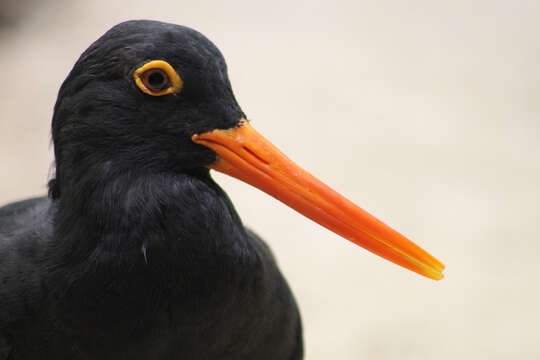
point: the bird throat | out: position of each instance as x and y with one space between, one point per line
180 220
139 245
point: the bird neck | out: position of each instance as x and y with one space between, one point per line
138 244
183 220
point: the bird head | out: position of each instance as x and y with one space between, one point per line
153 97
134 99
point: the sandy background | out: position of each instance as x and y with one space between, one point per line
425 113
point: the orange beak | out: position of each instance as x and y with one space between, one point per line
246 155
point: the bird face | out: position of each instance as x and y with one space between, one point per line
136 96
149 96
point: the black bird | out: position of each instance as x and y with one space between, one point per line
137 253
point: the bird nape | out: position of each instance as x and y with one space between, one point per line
137 253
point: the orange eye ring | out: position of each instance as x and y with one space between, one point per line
158 78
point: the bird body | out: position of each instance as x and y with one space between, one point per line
105 297
137 253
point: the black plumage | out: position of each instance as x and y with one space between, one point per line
137 253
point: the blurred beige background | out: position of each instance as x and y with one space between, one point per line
425 113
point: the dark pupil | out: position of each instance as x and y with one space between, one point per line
156 80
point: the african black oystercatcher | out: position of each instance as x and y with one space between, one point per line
137 253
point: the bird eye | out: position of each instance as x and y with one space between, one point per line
157 78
